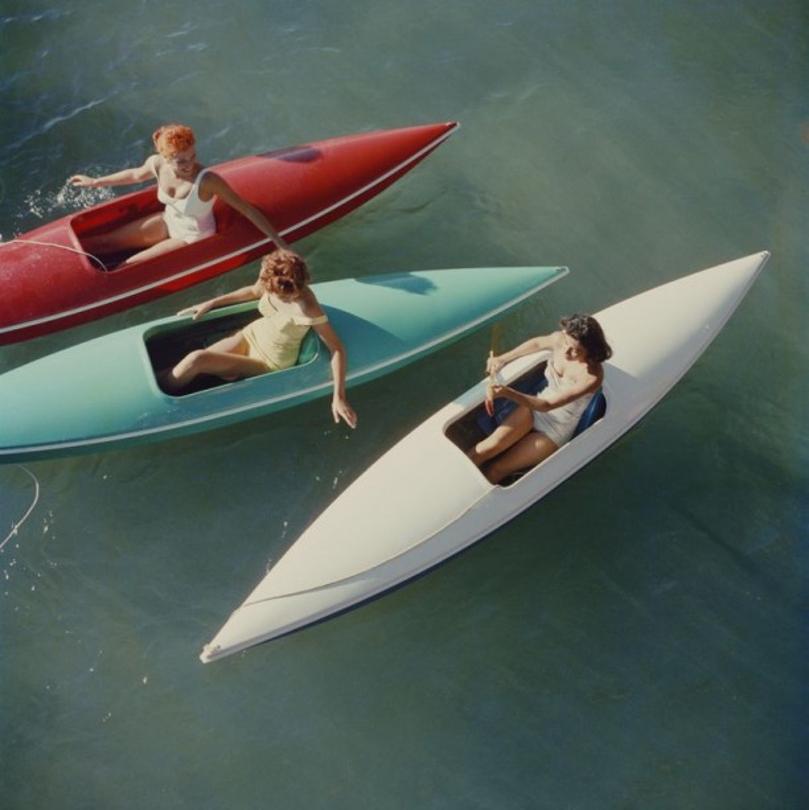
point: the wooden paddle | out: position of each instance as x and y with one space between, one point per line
489 401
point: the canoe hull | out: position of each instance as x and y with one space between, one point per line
109 397
50 284
361 546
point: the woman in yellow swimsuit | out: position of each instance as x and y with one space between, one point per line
289 309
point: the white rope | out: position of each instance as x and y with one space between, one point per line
61 247
22 520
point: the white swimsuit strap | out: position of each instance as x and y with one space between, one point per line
195 185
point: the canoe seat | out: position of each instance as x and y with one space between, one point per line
596 408
309 348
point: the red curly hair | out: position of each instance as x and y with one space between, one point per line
284 272
170 139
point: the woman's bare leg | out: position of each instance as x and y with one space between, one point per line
516 425
141 233
165 246
227 358
527 452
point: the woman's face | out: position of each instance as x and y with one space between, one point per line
183 163
573 349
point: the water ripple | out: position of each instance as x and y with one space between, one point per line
49 125
27 19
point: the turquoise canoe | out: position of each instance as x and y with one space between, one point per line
104 393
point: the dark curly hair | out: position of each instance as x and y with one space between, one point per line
284 272
588 332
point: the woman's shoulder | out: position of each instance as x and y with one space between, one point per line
311 313
593 375
309 305
154 162
209 178
553 340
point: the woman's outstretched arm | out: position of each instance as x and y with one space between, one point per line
251 293
340 408
530 346
215 184
126 177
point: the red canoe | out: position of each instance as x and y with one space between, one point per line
49 283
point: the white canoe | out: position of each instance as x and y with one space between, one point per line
423 501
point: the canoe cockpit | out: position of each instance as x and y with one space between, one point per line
168 344
101 219
85 226
474 425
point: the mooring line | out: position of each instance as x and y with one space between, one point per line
22 520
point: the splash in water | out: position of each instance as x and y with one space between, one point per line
47 204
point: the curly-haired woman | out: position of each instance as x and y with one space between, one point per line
288 308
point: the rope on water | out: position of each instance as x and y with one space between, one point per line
54 245
22 520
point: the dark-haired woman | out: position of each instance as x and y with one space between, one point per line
541 424
288 310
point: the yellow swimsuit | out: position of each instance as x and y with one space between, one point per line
276 338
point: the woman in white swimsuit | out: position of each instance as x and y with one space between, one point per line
541 424
186 189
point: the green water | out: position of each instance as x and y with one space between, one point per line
638 639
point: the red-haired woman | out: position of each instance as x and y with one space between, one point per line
270 343
185 187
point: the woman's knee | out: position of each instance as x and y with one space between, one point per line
481 451
496 470
194 361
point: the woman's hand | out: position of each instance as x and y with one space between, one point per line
83 181
494 364
495 391
504 392
197 310
340 409
488 402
